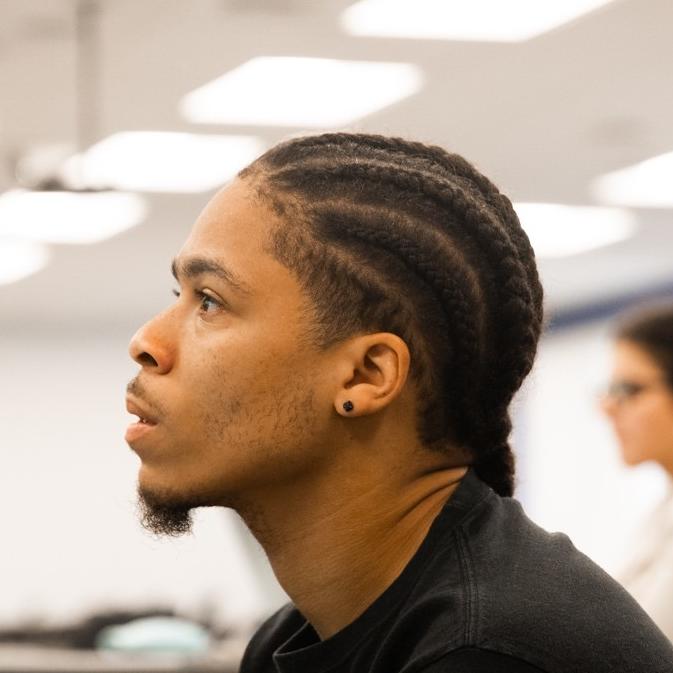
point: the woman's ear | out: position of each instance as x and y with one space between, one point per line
373 369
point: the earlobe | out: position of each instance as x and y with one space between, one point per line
347 408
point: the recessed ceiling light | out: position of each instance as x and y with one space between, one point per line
297 91
19 259
557 230
646 184
67 217
155 161
482 20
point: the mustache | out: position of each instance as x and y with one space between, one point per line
136 388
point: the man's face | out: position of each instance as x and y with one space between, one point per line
238 401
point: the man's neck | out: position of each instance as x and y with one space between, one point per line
336 546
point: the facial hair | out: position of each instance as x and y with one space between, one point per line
162 516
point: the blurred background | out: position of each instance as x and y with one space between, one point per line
119 119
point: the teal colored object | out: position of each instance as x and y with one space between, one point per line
155 634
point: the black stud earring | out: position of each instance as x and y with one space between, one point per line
348 405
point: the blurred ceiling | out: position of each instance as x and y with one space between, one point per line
542 118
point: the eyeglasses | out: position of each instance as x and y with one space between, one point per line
622 391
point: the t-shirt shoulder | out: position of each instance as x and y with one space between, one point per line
535 596
477 660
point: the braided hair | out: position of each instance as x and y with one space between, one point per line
393 235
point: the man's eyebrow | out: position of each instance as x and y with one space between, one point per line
197 266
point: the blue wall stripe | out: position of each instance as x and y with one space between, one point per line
607 308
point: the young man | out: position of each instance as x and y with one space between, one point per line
355 314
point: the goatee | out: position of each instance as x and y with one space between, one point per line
162 516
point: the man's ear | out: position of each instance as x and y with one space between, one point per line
373 369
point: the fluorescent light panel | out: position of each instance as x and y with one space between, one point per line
67 217
20 259
154 161
297 91
557 230
481 20
645 184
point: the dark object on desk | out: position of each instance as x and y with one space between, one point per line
78 636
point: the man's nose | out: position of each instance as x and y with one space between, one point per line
153 345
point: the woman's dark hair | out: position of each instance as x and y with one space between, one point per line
391 235
651 328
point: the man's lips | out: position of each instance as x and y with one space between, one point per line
146 421
138 409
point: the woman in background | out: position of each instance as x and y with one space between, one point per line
639 403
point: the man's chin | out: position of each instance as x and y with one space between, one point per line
163 514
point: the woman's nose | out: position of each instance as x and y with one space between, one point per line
153 345
609 405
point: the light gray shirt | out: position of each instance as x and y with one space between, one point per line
648 575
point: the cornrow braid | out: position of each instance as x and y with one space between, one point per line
395 235
452 163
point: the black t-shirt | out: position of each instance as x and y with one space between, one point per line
488 591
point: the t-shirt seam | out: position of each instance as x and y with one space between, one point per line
339 660
472 508
466 570
470 581
455 532
465 557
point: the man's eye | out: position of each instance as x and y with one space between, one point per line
207 302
